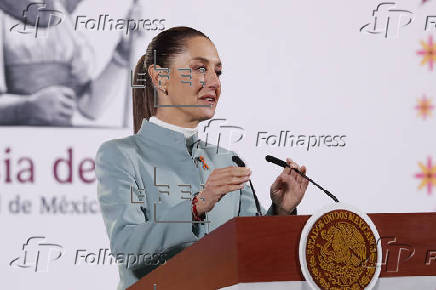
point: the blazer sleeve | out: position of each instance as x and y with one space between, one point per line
126 227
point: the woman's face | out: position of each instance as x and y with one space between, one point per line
201 57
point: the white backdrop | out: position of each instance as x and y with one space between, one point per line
301 66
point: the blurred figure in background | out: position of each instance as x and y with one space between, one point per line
46 77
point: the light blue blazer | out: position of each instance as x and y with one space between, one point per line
145 185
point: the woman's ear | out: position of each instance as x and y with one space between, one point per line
160 81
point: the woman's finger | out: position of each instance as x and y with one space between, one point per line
301 180
306 183
293 175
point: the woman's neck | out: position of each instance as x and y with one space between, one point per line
171 118
188 132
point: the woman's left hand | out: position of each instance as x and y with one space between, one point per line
288 189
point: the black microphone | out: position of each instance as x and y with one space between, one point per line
241 163
283 164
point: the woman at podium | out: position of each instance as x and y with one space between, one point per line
162 188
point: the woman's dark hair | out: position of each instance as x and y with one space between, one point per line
167 44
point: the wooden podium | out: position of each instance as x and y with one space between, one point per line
264 249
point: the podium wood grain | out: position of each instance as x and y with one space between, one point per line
264 249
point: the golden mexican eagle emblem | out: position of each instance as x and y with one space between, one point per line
341 251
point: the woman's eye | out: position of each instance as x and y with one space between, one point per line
203 69
200 68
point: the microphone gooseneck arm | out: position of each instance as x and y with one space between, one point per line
283 164
241 163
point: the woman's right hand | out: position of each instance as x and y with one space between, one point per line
220 182
52 106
